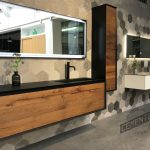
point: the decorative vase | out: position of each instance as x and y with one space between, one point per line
15 79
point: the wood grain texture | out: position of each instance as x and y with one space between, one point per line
111 27
23 112
83 99
34 44
111 31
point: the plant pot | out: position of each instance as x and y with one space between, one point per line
16 79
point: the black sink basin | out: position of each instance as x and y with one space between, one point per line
74 80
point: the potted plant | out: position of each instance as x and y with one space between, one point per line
16 62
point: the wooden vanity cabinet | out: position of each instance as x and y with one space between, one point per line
26 111
104 41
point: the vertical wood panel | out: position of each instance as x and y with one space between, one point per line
111 35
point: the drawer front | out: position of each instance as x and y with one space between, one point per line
22 112
84 99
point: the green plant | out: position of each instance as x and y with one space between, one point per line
17 61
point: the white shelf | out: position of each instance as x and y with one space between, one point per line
139 81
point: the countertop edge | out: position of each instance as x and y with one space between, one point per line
20 90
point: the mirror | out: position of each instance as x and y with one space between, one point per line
36 33
68 37
138 46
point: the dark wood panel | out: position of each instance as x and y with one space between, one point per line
110 81
111 27
111 57
111 70
23 112
111 52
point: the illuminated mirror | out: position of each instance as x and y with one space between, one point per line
36 33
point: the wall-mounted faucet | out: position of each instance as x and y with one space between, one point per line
67 70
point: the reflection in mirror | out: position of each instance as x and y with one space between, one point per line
68 37
133 46
138 47
36 33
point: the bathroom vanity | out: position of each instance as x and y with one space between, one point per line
34 105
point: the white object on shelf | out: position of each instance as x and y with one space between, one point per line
139 81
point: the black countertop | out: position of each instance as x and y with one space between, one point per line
45 85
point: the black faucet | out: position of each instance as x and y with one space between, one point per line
67 70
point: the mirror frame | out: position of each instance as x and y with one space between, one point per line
53 56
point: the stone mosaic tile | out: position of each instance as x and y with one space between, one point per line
116 105
124 96
110 107
127 103
120 15
119 111
131 101
119 50
96 115
136 27
143 97
110 93
130 19
142 64
43 76
125 31
87 65
149 96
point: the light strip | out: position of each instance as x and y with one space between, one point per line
69 29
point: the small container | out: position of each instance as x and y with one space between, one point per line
15 79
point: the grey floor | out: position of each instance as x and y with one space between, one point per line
102 135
